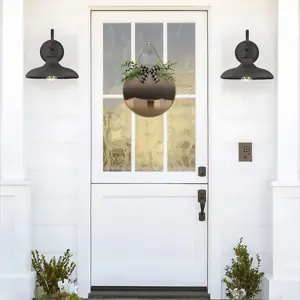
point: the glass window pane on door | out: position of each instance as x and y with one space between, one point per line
149 131
116 135
116 117
181 136
145 32
181 49
181 116
149 144
116 50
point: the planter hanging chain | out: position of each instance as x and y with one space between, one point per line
145 70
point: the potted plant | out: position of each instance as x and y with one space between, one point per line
243 280
52 277
144 85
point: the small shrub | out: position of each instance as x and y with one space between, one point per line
48 274
241 275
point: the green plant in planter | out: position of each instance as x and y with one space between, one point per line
133 71
242 275
48 274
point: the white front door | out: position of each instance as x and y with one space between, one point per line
145 228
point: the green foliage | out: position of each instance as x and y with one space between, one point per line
132 71
59 296
241 274
49 273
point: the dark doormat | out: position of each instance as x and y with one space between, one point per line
119 292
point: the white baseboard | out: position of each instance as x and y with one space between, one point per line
17 286
281 289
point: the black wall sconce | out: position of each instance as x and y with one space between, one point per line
247 53
52 53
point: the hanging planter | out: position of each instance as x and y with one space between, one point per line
149 91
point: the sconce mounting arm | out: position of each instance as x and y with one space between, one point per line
52 50
246 50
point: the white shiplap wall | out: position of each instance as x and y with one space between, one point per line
240 193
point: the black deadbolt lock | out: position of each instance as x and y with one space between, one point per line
201 171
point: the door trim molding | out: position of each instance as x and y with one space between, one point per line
206 6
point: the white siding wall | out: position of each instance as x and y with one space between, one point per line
51 113
240 192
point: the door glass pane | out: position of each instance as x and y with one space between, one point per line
181 49
149 131
116 135
116 50
149 144
145 32
181 135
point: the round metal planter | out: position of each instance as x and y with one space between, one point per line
149 99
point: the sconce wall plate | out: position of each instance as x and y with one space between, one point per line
52 53
247 54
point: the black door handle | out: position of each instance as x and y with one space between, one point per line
202 201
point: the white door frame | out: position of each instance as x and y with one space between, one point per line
84 155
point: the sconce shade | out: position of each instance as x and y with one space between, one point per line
52 70
52 52
247 53
247 71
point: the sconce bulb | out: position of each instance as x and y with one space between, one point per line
51 78
246 79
